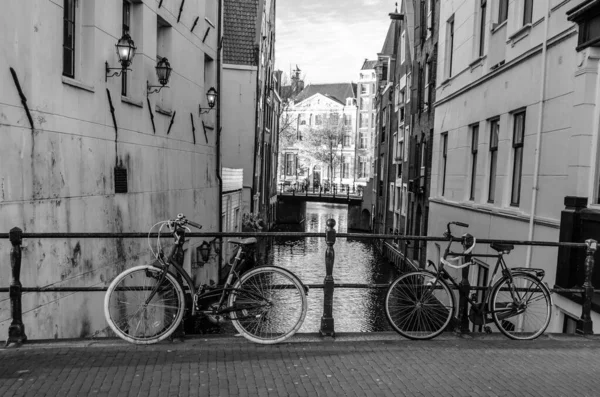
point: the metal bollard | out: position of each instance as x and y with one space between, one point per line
464 287
584 325
16 330
327 327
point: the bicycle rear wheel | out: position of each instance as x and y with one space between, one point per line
268 305
418 306
136 321
527 315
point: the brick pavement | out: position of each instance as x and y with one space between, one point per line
351 365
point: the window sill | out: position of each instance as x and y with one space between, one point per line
519 35
477 62
132 101
497 26
78 84
162 111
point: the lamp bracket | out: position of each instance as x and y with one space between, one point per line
119 73
202 110
150 90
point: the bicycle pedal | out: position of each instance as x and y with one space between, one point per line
487 329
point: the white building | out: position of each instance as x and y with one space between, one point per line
516 129
312 109
81 167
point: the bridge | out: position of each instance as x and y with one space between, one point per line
335 194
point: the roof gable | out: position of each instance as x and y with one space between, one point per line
239 31
319 100
338 91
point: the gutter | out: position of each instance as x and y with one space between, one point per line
218 143
536 172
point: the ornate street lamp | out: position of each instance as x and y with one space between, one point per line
126 51
163 73
211 98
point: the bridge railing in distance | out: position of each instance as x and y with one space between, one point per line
321 191
16 331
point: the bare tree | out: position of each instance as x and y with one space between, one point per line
320 142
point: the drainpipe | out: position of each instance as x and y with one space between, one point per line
536 172
218 170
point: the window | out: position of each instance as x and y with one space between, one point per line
420 88
427 84
364 120
345 167
423 22
363 167
527 12
494 130
474 145
449 45
125 30
236 219
482 11
347 140
384 123
69 38
430 10
444 160
364 89
365 103
347 119
402 47
518 132
363 140
391 197
290 160
302 119
502 10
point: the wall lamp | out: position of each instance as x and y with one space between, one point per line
163 72
211 97
126 51
204 250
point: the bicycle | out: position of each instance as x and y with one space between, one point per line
146 304
420 304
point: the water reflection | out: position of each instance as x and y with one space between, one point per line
354 310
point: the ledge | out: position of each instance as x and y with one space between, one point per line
132 101
78 84
162 111
477 62
496 27
519 35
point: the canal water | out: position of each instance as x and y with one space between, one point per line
356 261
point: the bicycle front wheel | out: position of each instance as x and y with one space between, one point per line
418 306
521 306
268 305
143 307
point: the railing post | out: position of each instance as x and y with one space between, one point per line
464 288
16 330
327 328
584 325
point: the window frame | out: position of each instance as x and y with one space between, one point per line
482 16
444 137
502 11
474 150
69 5
517 144
493 149
449 46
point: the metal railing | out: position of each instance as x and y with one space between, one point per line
16 332
334 190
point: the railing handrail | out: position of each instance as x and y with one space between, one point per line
367 236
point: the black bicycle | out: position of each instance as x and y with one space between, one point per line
146 304
421 304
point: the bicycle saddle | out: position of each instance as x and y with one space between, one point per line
502 247
244 241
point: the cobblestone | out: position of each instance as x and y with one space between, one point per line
372 365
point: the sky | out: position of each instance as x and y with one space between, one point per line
329 39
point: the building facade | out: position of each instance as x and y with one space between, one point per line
249 79
91 151
326 112
365 92
516 127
